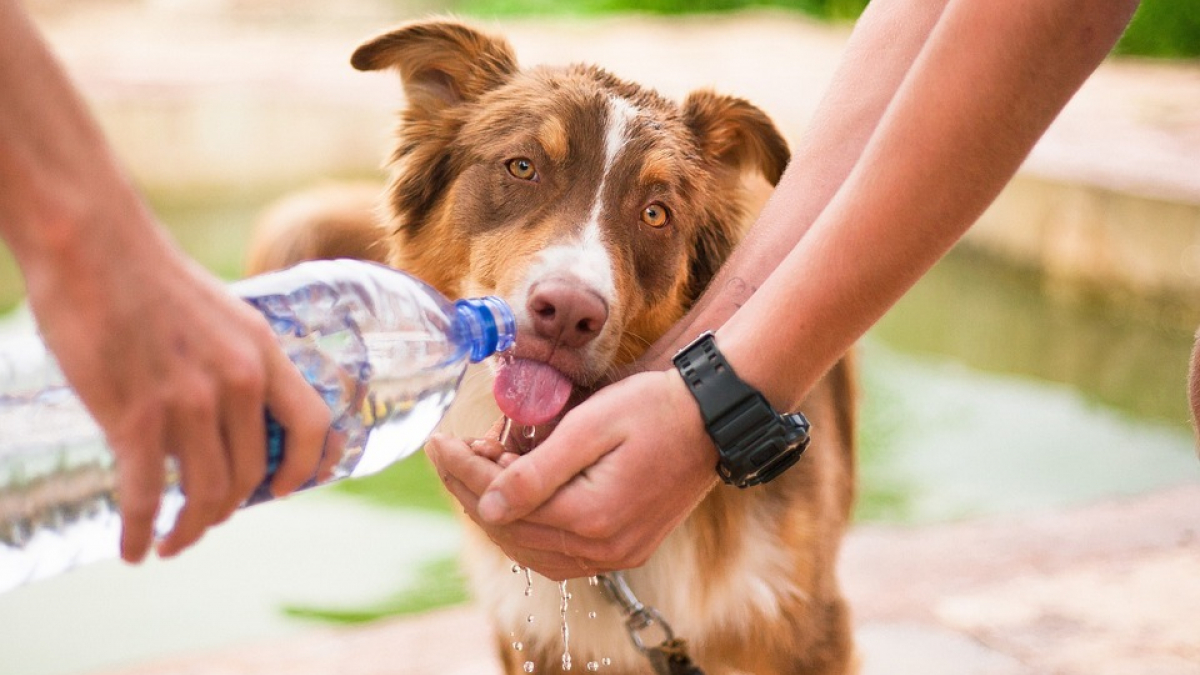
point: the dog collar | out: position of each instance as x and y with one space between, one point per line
755 443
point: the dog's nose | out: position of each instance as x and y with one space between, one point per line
565 313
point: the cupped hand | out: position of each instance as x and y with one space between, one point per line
169 363
620 471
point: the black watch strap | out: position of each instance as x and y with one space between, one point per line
755 443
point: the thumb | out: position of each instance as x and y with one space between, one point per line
533 478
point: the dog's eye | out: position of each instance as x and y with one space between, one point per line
522 168
656 215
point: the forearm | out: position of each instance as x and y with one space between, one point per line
989 81
54 162
885 42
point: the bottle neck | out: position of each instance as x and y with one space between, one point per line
488 325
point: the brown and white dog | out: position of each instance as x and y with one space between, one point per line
600 211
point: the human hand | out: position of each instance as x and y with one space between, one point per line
620 471
169 363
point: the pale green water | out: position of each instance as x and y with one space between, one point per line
981 394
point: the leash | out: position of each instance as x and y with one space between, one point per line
667 657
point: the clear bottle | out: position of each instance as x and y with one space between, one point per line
386 352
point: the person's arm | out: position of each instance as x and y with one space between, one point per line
165 359
885 42
991 79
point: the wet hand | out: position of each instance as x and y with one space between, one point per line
619 472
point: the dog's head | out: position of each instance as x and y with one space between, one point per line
597 208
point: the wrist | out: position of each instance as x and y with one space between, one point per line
755 444
681 400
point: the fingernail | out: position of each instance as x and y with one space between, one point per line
493 507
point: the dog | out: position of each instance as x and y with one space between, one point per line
600 211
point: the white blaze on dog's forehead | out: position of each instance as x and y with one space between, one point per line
586 258
621 114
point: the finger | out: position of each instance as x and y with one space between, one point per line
141 476
489 448
305 419
454 458
246 440
529 545
203 468
332 455
533 478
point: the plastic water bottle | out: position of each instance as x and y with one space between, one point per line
386 352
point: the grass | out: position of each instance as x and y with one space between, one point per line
1163 29
411 484
441 584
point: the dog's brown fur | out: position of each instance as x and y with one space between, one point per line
749 577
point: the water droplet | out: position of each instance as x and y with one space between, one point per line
528 667
528 591
528 582
593 666
504 430
593 581
518 646
591 615
606 661
529 619
530 432
516 568
566 630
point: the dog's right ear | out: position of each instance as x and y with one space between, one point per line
442 63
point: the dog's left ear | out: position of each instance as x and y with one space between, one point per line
441 62
734 132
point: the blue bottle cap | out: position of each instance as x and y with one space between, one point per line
489 325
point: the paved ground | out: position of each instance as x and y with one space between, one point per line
1111 589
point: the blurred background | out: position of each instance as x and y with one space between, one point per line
1040 367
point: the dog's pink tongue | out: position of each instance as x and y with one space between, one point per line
530 392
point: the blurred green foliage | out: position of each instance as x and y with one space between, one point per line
1164 29
1161 28
412 483
441 584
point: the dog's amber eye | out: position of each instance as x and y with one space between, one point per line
522 168
656 215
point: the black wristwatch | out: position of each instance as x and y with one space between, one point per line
755 443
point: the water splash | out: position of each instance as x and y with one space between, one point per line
564 603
